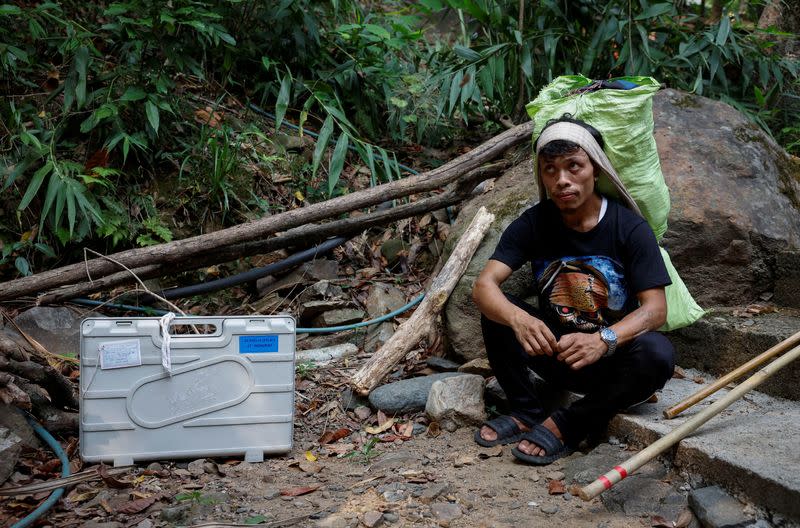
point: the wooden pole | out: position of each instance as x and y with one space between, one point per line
410 332
178 251
615 475
732 376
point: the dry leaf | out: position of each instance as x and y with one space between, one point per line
382 418
138 505
495 451
556 487
110 481
329 437
434 429
340 449
678 373
310 467
405 430
658 521
310 456
684 519
296 492
380 428
699 380
75 497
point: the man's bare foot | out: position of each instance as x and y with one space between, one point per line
490 435
532 449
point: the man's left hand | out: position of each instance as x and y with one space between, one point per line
580 349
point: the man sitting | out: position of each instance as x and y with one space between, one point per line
600 280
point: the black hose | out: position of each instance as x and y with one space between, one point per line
256 273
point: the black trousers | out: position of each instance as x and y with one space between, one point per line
633 373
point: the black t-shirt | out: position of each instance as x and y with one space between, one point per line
585 280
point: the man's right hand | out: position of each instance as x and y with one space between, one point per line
534 336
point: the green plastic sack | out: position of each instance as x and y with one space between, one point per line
625 119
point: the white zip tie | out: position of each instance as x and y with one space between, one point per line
164 323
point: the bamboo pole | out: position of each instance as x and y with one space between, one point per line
618 473
732 376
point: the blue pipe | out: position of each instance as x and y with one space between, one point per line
299 330
362 323
53 498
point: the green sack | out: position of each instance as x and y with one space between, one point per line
625 119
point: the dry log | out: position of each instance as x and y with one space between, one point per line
179 251
60 389
52 418
410 332
308 234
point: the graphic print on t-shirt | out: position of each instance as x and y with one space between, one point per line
584 293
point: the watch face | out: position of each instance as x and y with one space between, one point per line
608 335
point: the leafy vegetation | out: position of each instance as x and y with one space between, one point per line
134 122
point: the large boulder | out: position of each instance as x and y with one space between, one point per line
734 224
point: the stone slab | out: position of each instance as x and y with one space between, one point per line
749 448
721 342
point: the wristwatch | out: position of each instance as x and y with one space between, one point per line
609 337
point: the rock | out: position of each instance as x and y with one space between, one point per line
748 235
750 175
549 509
332 521
10 448
432 492
395 460
377 335
291 142
555 475
155 466
441 364
323 356
197 467
391 251
350 400
446 511
175 514
101 524
343 316
272 493
494 393
409 395
391 517
146 523
362 412
714 508
57 329
479 366
310 310
322 290
316 270
458 400
12 419
371 519
382 299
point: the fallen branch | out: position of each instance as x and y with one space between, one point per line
179 251
75 478
410 332
305 235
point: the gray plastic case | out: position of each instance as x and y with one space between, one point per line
231 392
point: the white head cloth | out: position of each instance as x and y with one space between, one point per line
575 133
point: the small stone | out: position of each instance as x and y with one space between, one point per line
479 366
550 509
419 429
390 517
714 508
445 511
441 364
155 466
179 472
555 475
197 467
272 493
431 492
372 519
175 514
534 477
464 460
362 412
533 504
332 521
613 440
146 523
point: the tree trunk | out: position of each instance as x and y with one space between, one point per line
417 326
177 252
